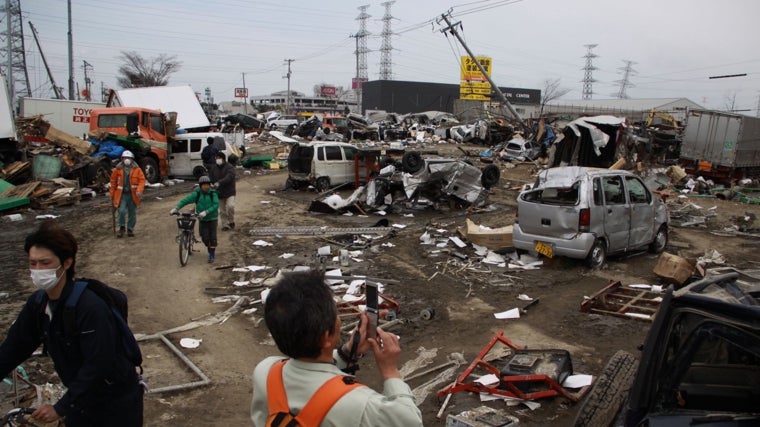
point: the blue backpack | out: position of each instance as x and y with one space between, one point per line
117 302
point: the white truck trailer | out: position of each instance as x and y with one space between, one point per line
72 117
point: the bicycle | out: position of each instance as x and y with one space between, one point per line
17 417
186 236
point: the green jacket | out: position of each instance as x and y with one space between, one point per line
208 202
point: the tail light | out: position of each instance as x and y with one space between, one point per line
584 220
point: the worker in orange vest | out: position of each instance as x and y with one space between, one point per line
127 186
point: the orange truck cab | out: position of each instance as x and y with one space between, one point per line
139 127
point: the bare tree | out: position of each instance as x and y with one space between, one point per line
137 71
729 102
552 91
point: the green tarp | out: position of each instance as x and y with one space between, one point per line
10 202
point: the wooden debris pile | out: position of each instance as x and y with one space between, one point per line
47 193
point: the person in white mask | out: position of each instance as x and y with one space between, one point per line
102 386
127 186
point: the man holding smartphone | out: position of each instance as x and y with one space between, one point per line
302 317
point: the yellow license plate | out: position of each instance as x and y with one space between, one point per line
544 249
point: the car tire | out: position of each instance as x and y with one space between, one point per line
597 255
273 127
199 171
322 184
608 394
149 167
660 240
412 162
490 176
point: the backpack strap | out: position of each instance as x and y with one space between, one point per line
69 308
315 409
324 399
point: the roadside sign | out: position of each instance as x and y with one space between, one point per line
469 69
478 91
241 92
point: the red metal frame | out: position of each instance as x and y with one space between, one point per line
510 381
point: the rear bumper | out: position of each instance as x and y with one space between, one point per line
576 247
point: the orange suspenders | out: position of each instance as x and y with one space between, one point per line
315 409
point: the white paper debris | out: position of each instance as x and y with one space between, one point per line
333 273
409 215
324 250
265 202
399 226
523 297
488 379
639 316
242 283
47 216
255 268
261 243
425 239
640 286
457 241
250 310
388 245
513 313
577 381
480 250
493 258
287 255
190 342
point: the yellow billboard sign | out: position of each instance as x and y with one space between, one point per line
478 91
469 70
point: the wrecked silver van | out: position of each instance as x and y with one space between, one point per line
322 164
589 213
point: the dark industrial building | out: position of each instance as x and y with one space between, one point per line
416 97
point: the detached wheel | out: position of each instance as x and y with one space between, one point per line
149 167
323 184
490 176
609 392
412 162
597 255
660 240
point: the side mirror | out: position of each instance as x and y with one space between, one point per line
133 120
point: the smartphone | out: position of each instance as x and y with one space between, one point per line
370 290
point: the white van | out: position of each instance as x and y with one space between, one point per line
185 153
322 164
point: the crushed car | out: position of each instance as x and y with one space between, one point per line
416 181
699 365
589 213
361 127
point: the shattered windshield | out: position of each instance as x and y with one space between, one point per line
555 195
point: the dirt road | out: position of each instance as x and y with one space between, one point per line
464 294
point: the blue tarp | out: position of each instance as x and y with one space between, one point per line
107 148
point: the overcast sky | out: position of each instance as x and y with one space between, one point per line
676 44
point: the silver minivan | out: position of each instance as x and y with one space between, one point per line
589 213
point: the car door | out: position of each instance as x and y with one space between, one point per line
331 164
179 158
642 212
617 216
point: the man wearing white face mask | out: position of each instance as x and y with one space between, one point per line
222 176
127 186
102 385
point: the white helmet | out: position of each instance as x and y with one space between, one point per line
128 153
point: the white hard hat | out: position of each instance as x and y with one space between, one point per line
128 153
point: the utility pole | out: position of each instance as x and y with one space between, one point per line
71 57
245 104
287 99
87 81
587 70
451 28
56 89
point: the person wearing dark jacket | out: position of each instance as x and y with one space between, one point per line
222 176
103 387
208 153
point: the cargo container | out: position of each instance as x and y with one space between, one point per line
721 145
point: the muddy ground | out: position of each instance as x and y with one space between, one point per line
463 293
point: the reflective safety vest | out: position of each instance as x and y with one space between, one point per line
315 409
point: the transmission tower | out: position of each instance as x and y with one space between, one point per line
386 72
625 82
12 52
587 70
361 38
